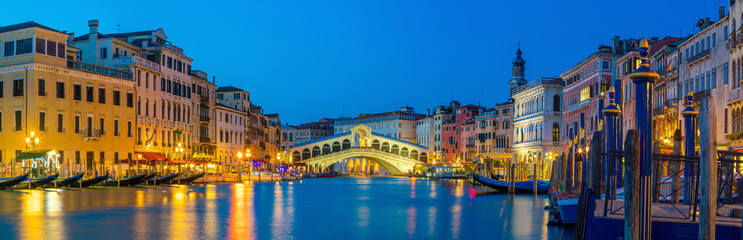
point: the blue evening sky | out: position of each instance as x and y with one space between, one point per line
309 59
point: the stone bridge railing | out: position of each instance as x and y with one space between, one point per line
400 164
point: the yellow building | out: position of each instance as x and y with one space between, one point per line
82 111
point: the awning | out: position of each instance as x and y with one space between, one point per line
33 154
154 156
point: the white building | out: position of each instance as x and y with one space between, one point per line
231 125
538 119
398 124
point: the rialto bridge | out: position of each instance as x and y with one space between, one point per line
371 150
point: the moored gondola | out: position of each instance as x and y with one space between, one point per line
519 186
161 180
88 182
126 182
150 176
35 182
6 183
64 182
187 180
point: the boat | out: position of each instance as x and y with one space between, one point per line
161 180
64 181
568 210
187 180
126 182
519 186
446 172
88 182
150 176
6 183
35 182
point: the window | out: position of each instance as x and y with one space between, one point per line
17 87
725 73
714 78
77 92
42 87
2 88
61 51
104 52
102 95
77 124
51 48
726 121
170 62
60 90
117 98
60 122
129 128
129 100
42 121
89 93
162 84
18 120
116 127
714 39
23 46
102 126
9 48
725 33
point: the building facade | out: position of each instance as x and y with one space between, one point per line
398 124
230 124
84 112
538 119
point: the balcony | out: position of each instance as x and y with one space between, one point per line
134 60
734 96
204 118
659 111
205 140
700 55
98 69
672 103
91 134
579 105
204 100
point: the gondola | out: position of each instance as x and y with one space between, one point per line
161 180
187 180
88 182
35 182
150 176
519 186
64 182
6 183
126 182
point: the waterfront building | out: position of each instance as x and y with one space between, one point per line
440 115
664 61
625 66
292 135
703 59
163 85
82 111
423 130
584 83
454 145
538 120
398 124
733 34
204 101
231 124
272 138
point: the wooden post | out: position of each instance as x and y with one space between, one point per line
656 166
596 163
569 171
707 169
676 167
535 178
631 186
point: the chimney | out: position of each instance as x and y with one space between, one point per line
428 112
214 80
722 12
93 24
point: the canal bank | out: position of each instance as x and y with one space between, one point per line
356 208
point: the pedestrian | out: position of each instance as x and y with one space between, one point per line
113 174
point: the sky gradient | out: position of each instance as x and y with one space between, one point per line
311 59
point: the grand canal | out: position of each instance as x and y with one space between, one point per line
348 208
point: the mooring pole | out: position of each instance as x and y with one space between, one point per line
643 78
569 163
632 219
707 168
611 112
676 167
619 133
689 114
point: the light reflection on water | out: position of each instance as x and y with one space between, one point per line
356 208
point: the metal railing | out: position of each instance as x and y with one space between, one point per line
729 178
127 60
699 55
98 69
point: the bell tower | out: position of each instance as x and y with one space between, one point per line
518 72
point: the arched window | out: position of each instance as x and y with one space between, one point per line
556 103
505 124
556 132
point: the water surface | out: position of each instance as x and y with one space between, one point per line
349 208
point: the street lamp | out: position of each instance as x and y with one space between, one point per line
179 151
32 141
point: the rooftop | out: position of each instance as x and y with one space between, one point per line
25 25
229 89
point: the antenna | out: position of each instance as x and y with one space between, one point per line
118 28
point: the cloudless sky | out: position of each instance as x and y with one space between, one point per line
308 59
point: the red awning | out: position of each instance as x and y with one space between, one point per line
154 156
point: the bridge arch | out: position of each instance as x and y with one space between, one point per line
414 154
395 149
346 144
306 154
385 147
404 152
325 149
336 146
297 155
423 158
375 144
316 151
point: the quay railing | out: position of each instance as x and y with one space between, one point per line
98 69
729 178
